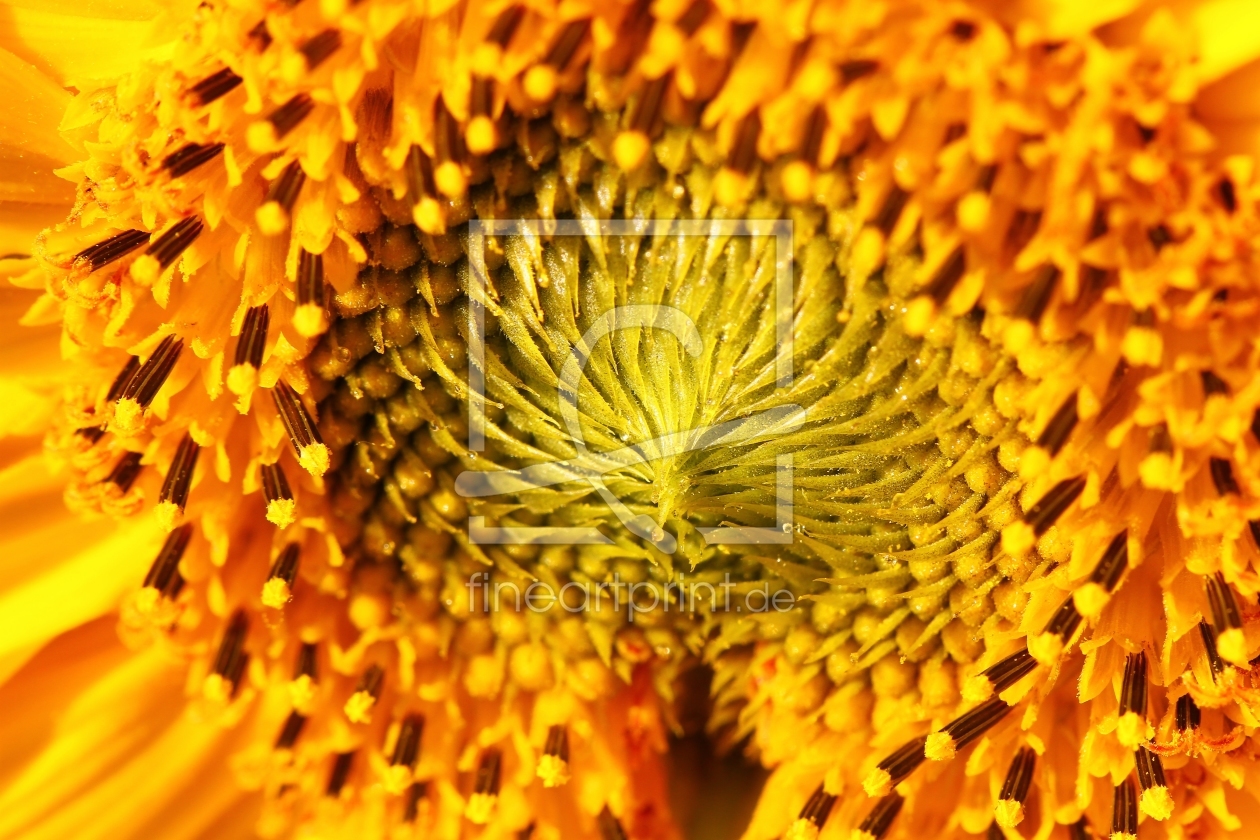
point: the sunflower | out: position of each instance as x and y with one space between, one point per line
418 415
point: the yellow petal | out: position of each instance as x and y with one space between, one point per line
74 50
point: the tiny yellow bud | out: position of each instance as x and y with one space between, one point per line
146 269
480 807
1090 598
553 770
481 136
272 218
276 593
1232 646
358 708
920 313
540 83
630 149
797 180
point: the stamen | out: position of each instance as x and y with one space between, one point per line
1037 296
293 726
91 434
1009 811
553 766
1155 800
174 495
1113 562
486 789
289 115
415 793
851 71
215 86
609 826
1231 643
1052 505
253 339
1223 476
313 455
1212 384
1124 812
260 35
813 816
963 30
631 147
1023 228
144 384
317 50
124 473
962 730
425 210
540 80
1080 830
1159 237
94 433
359 707
1229 197
890 212
185 160
273 214
281 509
115 248
166 249
306 662
164 576
566 45
340 773
999 676
230 662
1133 688
1056 432
1188 714
744 150
894 769
880 819
310 318
407 748
1209 646
504 26
1065 620
448 151
526 833
947 276
278 590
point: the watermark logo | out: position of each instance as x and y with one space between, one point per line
592 467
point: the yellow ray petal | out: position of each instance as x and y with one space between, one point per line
71 49
34 105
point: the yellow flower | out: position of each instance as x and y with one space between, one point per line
450 403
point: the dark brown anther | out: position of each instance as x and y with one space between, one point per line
479 97
124 473
1224 606
963 30
647 110
994 832
1188 713
851 71
953 132
947 276
1229 196
1114 561
253 340
691 19
1037 296
526 833
1159 236
1060 427
419 175
212 87
144 385
414 794
317 50
115 248
310 279
1209 647
1052 505
1254 526
1023 228
609 826
376 117
164 574
1124 810
91 434
815 130
1150 769
297 421
504 26
284 190
1019 776
407 748
371 681
558 742
274 485
744 150
1006 672
119 385
340 773
902 762
986 177
881 817
890 212
286 566
230 661
1080 830
170 245
288 736
1133 688
1212 384
968 727
567 43
1146 132
185 160
448 142
487 781
306 663
1065 620
818 808
1255 424
179 476
260 35
1223 476
287 117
